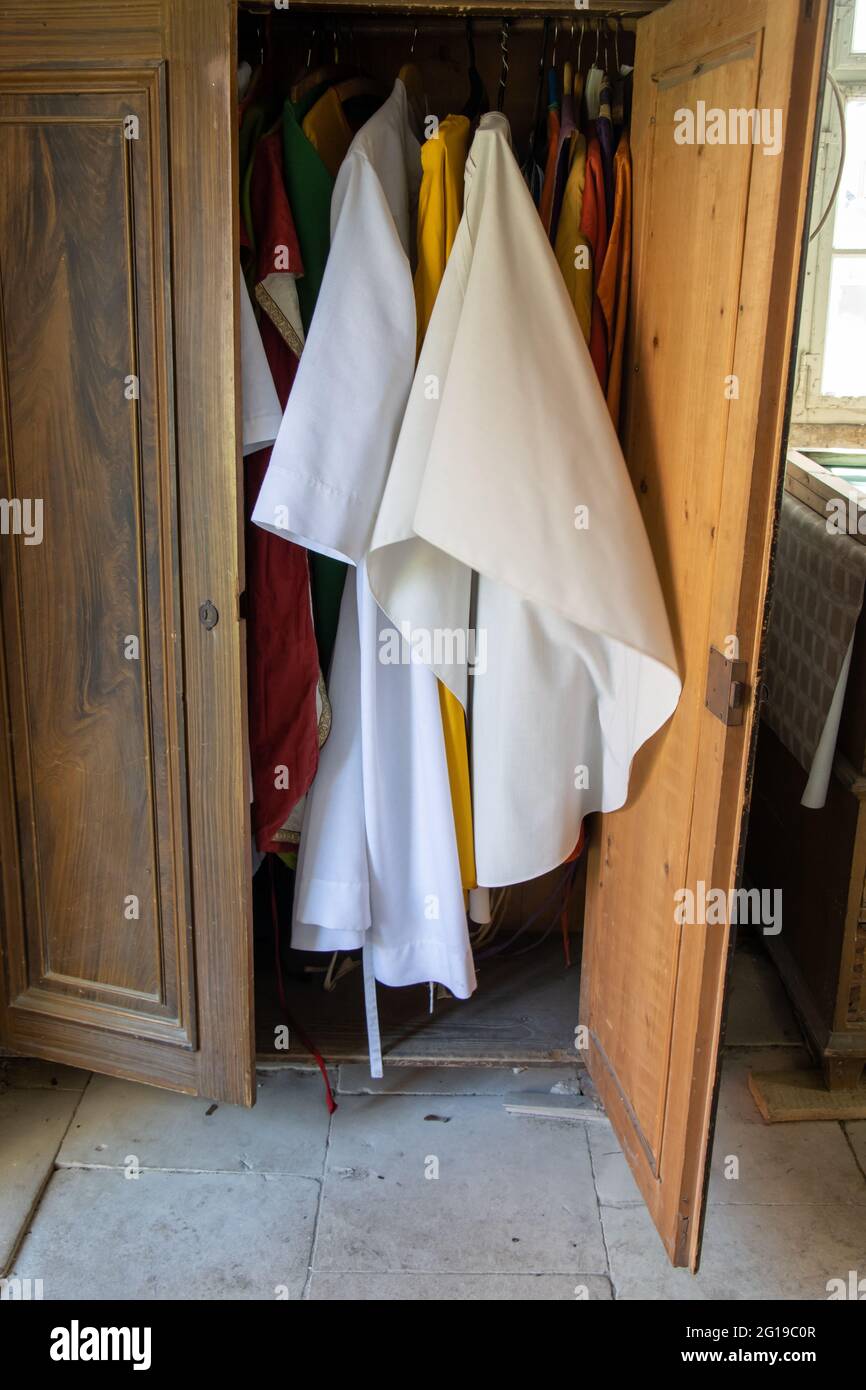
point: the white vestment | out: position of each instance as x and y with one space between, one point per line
378 862
259 399
508 464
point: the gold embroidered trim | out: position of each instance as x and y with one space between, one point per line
278 319
326 716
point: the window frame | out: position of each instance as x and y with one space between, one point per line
811 406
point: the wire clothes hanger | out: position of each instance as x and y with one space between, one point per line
410 76
503 65
552 78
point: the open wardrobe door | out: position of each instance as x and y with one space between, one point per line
718 236
126 942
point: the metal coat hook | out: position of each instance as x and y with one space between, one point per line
503 67
313 33
580 43
616 43
412 43
597 42
555 42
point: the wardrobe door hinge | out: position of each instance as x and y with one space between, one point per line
726 688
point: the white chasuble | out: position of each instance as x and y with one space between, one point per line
508 464
378 862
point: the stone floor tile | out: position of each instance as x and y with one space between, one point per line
856 1132
750 1253
513 1195
32 1126
100 1235
798 1163
285 1132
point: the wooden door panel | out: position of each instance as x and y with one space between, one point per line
91 612
717 237
126 938
684 514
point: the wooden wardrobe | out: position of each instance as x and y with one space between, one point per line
124 818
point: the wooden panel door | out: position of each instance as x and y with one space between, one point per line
718 237
126 941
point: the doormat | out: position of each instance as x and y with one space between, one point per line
802 1095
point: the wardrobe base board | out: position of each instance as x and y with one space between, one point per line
523 1013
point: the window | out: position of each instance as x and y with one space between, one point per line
831 381
850 465
844 364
